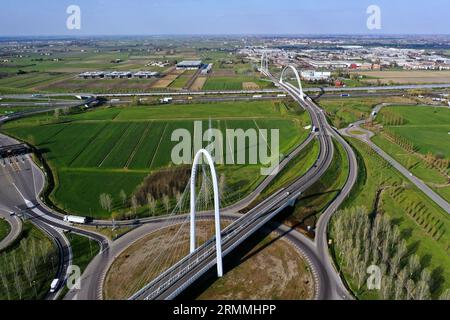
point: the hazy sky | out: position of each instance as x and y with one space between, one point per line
146 17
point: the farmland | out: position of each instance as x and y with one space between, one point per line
405 77
426 127
232 83
112 149
345 111
426 130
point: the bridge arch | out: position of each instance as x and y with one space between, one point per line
264 62
297 75
200 153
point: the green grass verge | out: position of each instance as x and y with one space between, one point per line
317 198
35 252
5 229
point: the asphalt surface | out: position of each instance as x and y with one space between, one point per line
16 228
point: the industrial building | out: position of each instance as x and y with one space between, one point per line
189 65
118 75
315 75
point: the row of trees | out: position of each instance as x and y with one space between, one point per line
150 196
22 269
361 241
400 140
393 119
437 161
130 210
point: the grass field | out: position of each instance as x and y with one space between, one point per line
296 168
382 189
343 111
83 250
428 129
5 228
114 149
233 83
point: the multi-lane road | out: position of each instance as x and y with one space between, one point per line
177 278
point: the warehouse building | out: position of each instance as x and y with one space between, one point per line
189 65
118 74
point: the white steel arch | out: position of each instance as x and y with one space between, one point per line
216 207
264 62
297 76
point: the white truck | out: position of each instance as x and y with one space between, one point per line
54 285
166 100
75 219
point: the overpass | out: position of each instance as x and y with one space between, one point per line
180 276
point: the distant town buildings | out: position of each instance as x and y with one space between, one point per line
351 57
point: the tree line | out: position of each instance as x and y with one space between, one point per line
361 241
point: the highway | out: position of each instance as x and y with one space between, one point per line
174 280
231 92
335 286
21 114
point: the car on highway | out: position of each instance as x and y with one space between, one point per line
54 285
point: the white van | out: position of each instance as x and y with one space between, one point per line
54 285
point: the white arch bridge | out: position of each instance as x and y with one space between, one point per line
171 281
264 69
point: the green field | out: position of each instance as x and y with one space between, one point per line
343 111
114 149
427 127
422 224
232 83
428 130
5 228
